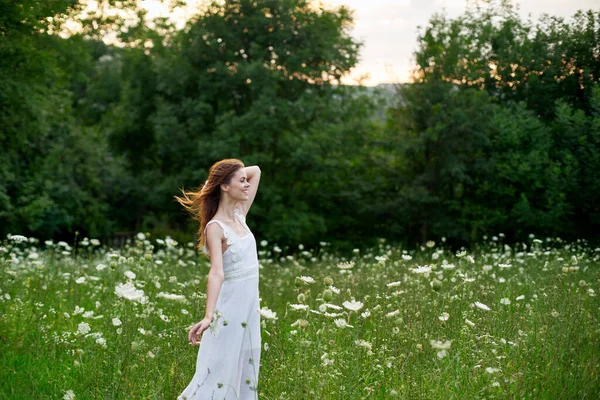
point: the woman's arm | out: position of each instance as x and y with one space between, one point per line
253 178
215 280
215 276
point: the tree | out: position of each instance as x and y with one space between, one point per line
494 132
491 48
50 168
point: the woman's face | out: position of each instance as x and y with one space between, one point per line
238 187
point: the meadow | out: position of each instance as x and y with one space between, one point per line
498 321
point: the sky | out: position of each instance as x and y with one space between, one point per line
388 28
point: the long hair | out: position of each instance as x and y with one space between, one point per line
203 203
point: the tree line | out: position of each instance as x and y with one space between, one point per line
498 132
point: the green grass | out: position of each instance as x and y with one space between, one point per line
546 345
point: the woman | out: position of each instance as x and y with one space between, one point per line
229 355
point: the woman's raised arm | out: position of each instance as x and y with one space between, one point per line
253 178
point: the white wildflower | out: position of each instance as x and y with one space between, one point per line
393 284
332 315
80 280
439 345
482 306
469 322
69 395
17 238
171 296
298 306
268 314
346 265
521 297
406 257
83 328
353 305
130 274
444 317
341 323
326 360
392 314
381 259
128 291
116 321
334 289
306 279
505 301
363 343
422 269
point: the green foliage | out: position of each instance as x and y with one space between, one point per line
491 48
254 82
53 172
500 133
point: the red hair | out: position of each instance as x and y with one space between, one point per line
203 203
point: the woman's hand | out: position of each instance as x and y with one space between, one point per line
197 330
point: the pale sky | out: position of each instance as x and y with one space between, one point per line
388 28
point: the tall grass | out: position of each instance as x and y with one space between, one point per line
497 322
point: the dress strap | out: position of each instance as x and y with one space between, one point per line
227 234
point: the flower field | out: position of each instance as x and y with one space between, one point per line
496 321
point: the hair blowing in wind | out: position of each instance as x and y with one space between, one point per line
203 203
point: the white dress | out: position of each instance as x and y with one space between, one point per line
229 354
